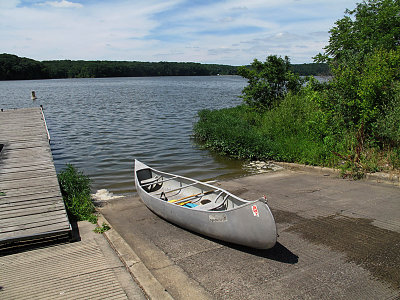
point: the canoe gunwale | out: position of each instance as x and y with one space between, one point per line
245 203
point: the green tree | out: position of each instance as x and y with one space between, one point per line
363 53
373 24
363 91
269 81
13 67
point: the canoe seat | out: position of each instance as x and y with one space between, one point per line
151 184
150 180
214 205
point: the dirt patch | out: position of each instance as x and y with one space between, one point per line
282 216
375 249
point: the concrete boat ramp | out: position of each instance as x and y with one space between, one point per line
338 239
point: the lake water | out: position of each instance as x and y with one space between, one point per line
101 125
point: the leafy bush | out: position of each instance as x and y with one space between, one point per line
75 189
269 82
364 89
299 129
388 124
364 56
295 130
394 158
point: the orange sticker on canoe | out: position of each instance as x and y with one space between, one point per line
255 210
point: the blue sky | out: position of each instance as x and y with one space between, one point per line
227 32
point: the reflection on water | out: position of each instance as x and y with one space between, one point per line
102 125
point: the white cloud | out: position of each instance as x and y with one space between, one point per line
62 4
8 4
231 31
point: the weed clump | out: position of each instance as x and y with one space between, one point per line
75 189
103 228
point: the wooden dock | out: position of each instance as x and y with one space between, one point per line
31 205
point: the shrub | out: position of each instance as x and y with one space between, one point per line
295 130
269 81
231 132
388 125
75 189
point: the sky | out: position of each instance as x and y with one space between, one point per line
232 32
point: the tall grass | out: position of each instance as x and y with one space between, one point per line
298 129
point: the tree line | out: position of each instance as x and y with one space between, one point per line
13 67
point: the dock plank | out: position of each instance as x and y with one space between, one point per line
18 210
27 209
28 191
15 168
24 145
31 204
25 152
27 222
28 198
50 228
49 180
7 163
27 175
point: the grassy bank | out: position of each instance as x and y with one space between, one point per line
298 129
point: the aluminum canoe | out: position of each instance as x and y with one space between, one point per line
205 208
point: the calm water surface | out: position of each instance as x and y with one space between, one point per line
102 125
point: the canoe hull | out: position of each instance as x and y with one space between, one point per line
251 224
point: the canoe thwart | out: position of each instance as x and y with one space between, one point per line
174 190
155 180
191 196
